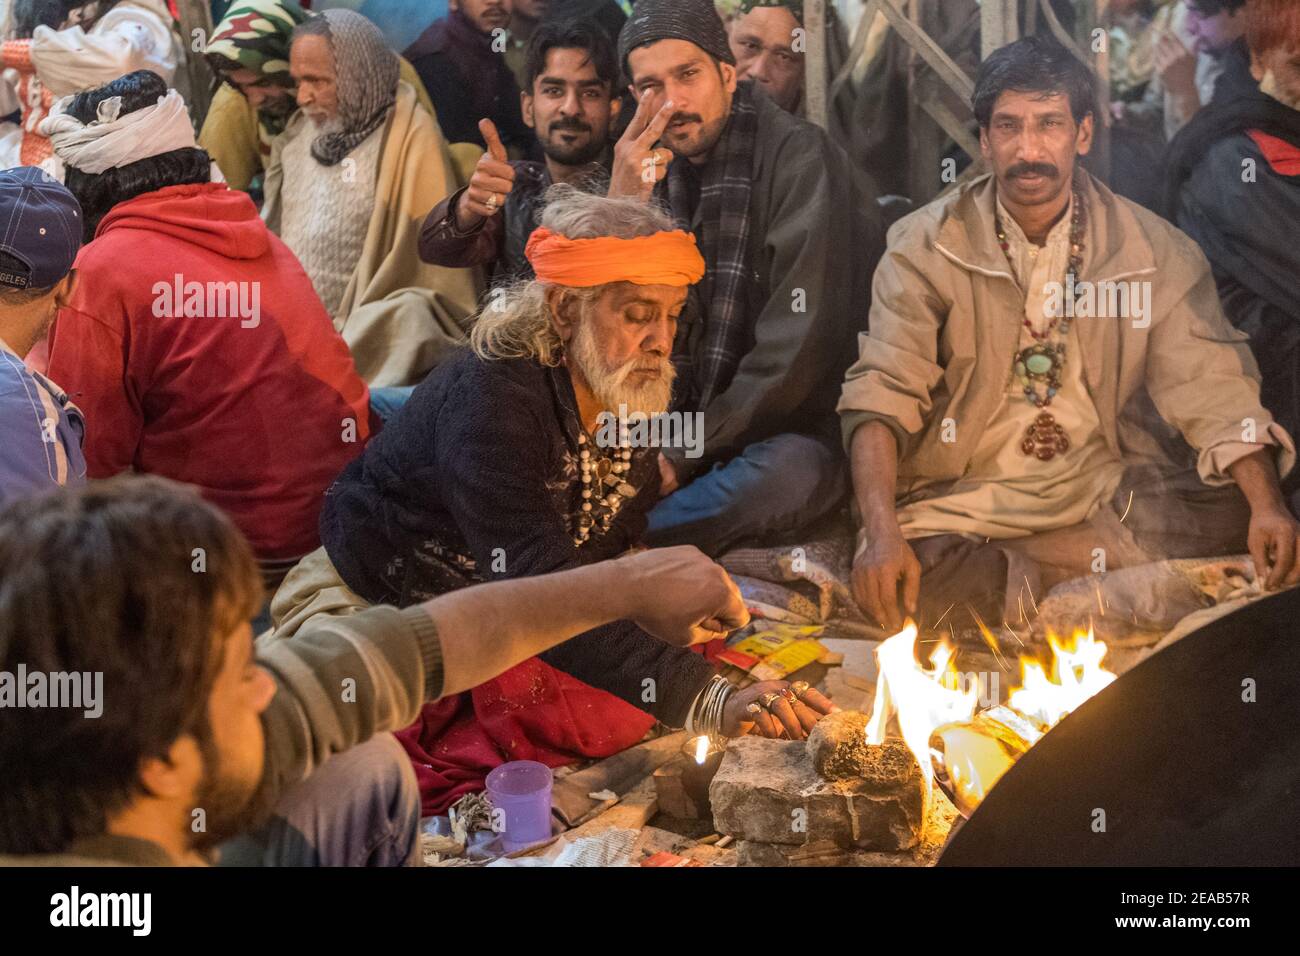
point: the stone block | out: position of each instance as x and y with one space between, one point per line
768 791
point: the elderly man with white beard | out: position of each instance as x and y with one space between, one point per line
495 468
347 187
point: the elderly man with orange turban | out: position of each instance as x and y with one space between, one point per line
499 467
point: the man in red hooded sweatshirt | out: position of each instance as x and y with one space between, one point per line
195 345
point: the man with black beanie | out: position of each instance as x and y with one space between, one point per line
790 238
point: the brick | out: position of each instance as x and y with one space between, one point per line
762 783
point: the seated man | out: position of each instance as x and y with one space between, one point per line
64 46
1190 58
1247 224
461 61
40 430
790 241
178 710
503 464
348 185
769 43
249 51
570 102
1009 419
193 342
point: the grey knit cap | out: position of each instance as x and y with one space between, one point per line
695 21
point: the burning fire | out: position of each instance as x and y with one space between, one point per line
970 751
1077 674
701 748
916 696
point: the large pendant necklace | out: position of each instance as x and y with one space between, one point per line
604 488
1039 367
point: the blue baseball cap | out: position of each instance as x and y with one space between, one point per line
40 226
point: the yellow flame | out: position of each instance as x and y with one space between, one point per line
1076 675
701 749
924 699
921 699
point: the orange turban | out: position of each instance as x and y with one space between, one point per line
665 258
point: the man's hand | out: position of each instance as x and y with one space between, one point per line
667 477
638 162
1176 66
883 559
1274 542
786 718
682 597
492 182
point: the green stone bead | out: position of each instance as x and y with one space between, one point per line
1038 364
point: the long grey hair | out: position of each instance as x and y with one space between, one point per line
516 322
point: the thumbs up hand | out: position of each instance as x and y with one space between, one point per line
492 182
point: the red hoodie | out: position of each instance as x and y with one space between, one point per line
240 386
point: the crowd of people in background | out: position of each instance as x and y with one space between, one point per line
376 305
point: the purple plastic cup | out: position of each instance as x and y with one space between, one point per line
521 790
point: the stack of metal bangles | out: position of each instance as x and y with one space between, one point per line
706 716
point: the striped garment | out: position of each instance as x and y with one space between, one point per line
40 432
724 215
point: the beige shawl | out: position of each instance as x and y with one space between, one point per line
399 316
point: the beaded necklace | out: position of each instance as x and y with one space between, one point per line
1039 367
604 487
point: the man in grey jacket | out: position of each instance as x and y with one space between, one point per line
152 729
790 238
1049 387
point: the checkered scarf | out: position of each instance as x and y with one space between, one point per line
724 242
368 71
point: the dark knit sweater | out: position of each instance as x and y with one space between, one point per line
477 479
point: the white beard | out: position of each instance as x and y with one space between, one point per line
610 385
325 126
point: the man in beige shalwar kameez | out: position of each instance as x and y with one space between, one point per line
1049 387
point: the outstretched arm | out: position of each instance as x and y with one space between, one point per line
675 594
340 680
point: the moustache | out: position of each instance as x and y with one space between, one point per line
686 118
570 125
1046 170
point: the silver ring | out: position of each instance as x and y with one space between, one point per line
492 202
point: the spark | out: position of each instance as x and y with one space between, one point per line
989 639
935 626
1127 507
1031 594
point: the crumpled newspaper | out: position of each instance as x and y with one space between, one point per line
470 813
611 847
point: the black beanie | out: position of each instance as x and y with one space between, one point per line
695 21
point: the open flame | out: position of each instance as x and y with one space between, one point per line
917 696
939 722
701 748
1076 675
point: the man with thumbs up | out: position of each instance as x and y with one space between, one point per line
570 104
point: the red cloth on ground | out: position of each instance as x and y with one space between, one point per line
531 712
1284 157
260 413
